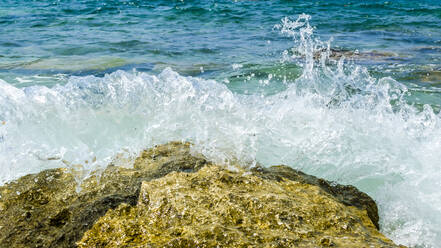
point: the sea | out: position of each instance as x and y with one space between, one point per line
349 91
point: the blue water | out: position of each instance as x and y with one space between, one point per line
350 92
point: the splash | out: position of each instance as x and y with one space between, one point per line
367 135
334 121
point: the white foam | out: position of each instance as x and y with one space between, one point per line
334 121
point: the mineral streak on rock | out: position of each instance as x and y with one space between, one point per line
178 206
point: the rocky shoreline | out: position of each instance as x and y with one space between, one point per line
175 198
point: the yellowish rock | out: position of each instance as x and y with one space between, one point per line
45 209
214 207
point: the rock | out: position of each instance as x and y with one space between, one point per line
44 209
258 206
214 207
378 56
174 156
346 194
433 76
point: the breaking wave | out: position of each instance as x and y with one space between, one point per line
334 121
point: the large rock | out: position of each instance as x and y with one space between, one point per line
45 210
215 207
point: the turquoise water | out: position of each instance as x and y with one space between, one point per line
50 38
348 91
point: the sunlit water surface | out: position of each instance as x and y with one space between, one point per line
83 84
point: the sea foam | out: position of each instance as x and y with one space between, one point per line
335 121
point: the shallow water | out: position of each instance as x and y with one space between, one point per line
84 83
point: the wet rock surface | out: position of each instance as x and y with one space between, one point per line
346 194
216 207
176 198
44 209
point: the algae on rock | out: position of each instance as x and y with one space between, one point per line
215 207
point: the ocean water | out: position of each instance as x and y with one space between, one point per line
344 90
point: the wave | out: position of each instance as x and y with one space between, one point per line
334 121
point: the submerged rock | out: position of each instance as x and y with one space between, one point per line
374 55
174 197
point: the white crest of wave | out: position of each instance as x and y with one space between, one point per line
335 121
